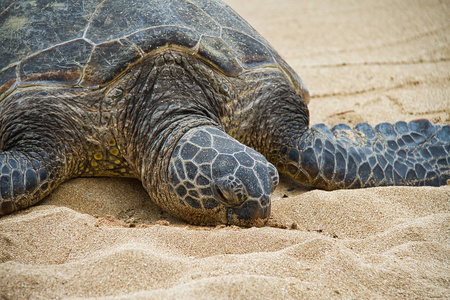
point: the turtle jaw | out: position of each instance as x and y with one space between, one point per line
250 213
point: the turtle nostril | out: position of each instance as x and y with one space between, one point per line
274 176
275 182
264 200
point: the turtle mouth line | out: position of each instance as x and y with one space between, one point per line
230 216
250 213
221 195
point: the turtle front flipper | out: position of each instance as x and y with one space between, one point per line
26 177
39 149
414 153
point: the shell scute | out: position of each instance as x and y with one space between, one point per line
155 37
192 16
108 60
217 52
116 19
59 64
224 15
7 78
249 51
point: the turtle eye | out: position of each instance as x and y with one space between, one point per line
230 190
220 194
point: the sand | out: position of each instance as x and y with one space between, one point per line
362 61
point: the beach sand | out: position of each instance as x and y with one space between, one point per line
374 61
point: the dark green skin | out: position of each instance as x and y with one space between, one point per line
178 94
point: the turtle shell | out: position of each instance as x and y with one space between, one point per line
89 42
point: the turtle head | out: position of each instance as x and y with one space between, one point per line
218 180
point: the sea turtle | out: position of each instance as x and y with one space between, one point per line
187 97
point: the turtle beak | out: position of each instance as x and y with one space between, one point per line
250 213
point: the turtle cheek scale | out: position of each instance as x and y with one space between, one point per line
219 180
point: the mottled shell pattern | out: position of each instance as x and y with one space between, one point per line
83 46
